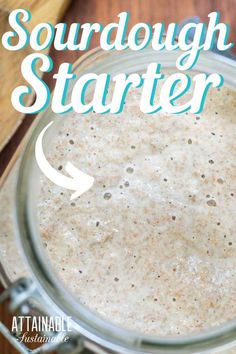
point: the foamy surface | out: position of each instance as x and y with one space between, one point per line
152 245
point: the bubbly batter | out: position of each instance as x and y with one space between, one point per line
152 245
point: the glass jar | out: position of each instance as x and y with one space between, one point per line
94 332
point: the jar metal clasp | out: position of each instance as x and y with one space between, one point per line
23 298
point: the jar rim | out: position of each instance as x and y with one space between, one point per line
88 323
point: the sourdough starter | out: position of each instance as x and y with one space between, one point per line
152 245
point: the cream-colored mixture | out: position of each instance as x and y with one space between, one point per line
152 245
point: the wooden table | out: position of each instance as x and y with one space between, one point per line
105 11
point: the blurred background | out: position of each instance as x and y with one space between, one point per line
13 125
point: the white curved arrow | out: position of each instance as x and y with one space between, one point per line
79 181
